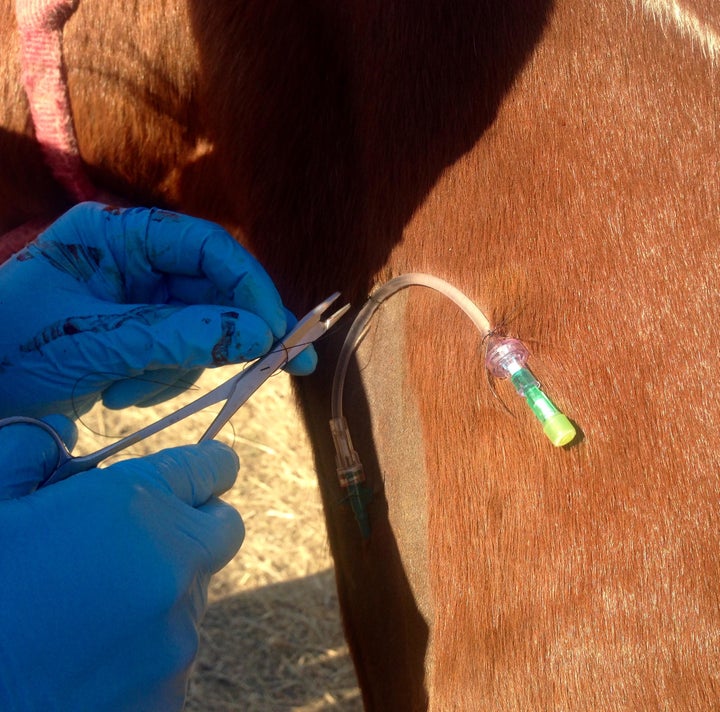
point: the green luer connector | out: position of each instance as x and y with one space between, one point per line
540 404
556 425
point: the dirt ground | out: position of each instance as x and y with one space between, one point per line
271 640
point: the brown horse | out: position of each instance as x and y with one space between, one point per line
558 163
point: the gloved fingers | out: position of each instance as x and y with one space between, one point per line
132 391
64 427
186 381
30 454
164 349
187 338
150 388
86 355
158 241
303 364
225 532
194 473
195 290
232 269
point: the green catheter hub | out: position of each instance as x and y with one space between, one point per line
506 358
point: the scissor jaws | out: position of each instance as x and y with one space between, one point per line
334 318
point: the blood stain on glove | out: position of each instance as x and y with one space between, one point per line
158 215
146 315
113 210
77 260
220 352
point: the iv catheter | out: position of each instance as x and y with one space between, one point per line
504 358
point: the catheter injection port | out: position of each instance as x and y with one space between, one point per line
506 358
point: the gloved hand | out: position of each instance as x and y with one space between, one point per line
32 454
131 305
104 576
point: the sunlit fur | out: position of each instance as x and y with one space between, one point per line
559 163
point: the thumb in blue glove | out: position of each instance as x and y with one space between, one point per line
105 580
106 295
35 454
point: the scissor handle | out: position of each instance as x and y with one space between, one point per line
63 454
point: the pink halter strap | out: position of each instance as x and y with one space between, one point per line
40 26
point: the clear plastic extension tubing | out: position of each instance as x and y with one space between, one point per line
357 330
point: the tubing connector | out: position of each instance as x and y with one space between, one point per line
506 358
349 468
351 474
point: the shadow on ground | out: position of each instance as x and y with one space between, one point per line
278 647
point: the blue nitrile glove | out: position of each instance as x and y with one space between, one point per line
32 454
104 576
106 295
